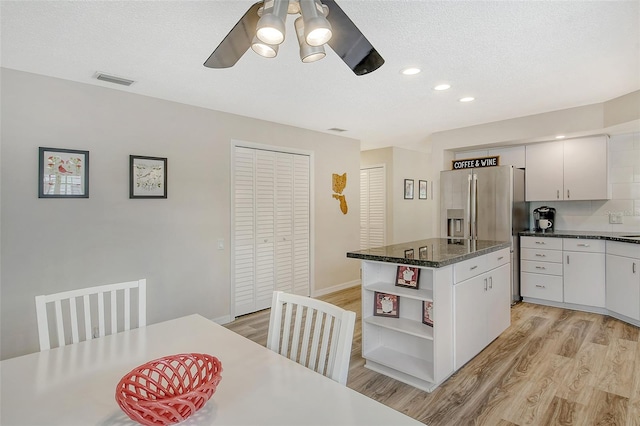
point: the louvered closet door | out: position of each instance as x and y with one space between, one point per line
372 207
272 231
244 211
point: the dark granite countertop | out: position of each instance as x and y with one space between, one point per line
625 237
439 251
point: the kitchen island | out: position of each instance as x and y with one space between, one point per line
429 306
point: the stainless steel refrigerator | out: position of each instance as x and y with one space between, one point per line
485 204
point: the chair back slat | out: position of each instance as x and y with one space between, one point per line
70 319
88 333
73 314
327 334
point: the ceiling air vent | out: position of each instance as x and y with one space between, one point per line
113 79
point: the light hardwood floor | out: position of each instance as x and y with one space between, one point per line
551 367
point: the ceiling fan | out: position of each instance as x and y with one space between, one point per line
321 22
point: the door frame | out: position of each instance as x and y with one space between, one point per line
235 143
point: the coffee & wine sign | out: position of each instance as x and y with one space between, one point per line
474 163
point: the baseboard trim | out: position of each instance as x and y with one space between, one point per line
328 290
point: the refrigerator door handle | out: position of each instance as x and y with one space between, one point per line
474 207
468 211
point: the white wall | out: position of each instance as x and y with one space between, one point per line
407 220
51 245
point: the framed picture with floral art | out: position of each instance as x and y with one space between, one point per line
147 177
63 173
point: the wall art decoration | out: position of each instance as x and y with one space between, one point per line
339 183
427 313
147 177
408 189
386 305
407 276
63 173
422 189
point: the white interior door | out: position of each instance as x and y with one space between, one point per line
372 207
271 226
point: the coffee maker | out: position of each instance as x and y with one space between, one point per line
544 219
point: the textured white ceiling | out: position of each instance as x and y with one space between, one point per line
515 57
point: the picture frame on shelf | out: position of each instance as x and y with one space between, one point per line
147 177
63 173
409 254
422 189
407 276
427 313
408 189
386 305
422 253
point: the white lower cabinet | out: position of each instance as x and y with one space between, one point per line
541 269
623 279
584 272
482 312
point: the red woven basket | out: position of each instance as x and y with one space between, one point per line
170 389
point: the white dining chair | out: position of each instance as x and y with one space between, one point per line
313 333
90 312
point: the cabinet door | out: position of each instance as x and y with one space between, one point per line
585 169
470 318
584 277
544 172
623 286
498 302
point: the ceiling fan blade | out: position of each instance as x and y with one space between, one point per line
237 42
349 43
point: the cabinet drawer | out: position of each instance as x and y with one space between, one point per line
623 249
547 287
547 268
541 255
580 244
547 243
469 268
498 258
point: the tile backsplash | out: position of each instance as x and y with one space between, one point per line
624 179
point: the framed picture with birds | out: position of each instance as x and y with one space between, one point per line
147 177
63 173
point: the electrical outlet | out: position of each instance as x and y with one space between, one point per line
615 218
220 243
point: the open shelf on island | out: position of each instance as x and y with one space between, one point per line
407 364
403 325
385 287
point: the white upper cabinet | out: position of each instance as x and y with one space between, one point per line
575 169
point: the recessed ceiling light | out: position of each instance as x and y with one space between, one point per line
442 87
411 71
560 137
467 99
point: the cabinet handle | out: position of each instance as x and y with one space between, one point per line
558 194
583 245
541 255
501 257
540 286
568 194
490 282
567 259
634 267
540 242
473 267
540 267
485 284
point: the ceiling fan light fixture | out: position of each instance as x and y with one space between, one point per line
308 53
265 50
317 30
270 28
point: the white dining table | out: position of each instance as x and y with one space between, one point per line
75 384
